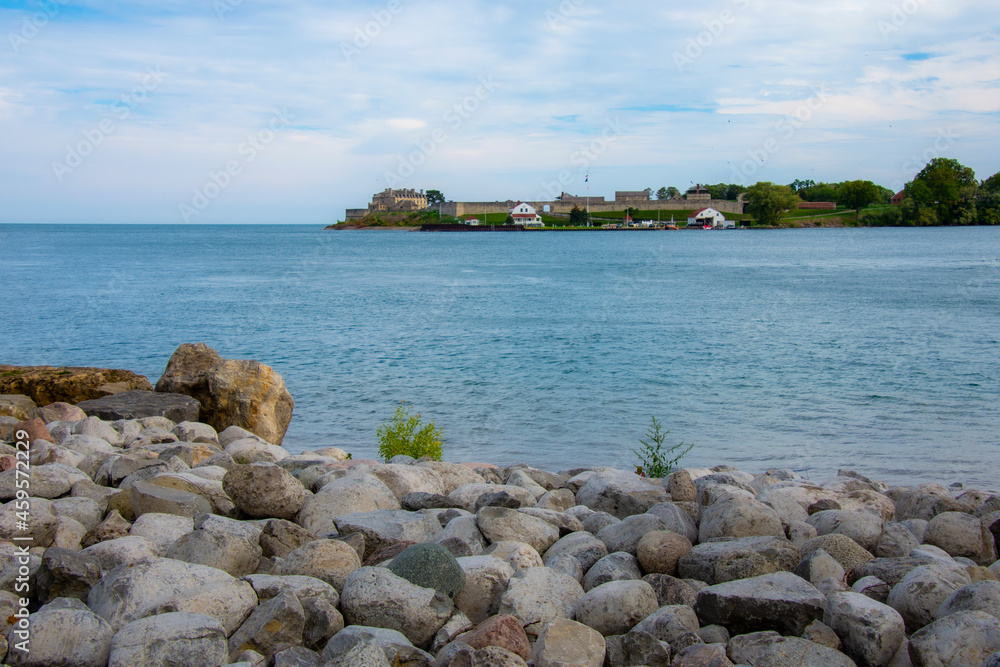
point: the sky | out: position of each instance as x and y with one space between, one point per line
259 111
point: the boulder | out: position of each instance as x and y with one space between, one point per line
41 528
48 481
161 530
676 520
265 491
890 570
147 498
559 500
279 538
734 515
771 649
637 648
61 412
462 537
430 565
191 639
727 560
142 403
385 528
273 626
539 595
374 596
196 432
863 527
18 407
518 555
620 493
64 633
566 643
922 590
669 623
88 512
230 552
48 384
702 655
501 524
247 394
822 571
501 630
583 546
406 479
470 497
923 502
31 431
896 541
962 534
660 550
66 574
615 607
772 601
846 551
625 535
871 632
120 551
352 494
453 475
671 590
331 561
963 638
130 592
978 596
392 643
486 580
618 566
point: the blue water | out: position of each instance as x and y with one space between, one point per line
876 349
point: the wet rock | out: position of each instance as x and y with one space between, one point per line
780 600
247 394
615 607
963 638
871 632
191 639
566 643
377 597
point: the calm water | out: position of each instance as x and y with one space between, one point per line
877 349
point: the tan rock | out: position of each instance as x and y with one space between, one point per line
48 384
566 643
659 551
17 406
231 392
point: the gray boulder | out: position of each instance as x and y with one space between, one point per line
637 648
539 595
671 590
486 580
386 527
279 538
374 596
405 479
676 520
620 493
770 649
848 553
863 527
963 638
160 585
139 403
618 566
961 534
734 515
265 491
978 596
273 626
616 607
354 493
161 530
66 574
922 590
331 561
728 560
772 601
669 623
120 551
190 639
625 535
146 498
896 541
566 643
64 633
430 565
870 631
392 643
230 552
500 524
583 546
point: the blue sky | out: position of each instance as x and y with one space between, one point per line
231 111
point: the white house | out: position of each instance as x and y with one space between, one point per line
711 218
526 215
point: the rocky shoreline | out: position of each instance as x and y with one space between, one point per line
166 525
162 543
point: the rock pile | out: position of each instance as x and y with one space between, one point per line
161 543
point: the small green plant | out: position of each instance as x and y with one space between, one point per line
653 457
404 434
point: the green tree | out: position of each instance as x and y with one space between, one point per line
858 194
649 193
800 184
673 192
404 434
947 189
578 217
434 197
767 202
662 194
991 184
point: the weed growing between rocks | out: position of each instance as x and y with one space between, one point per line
404 434
654 460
